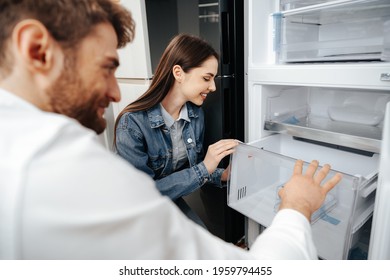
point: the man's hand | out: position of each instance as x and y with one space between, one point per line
304 192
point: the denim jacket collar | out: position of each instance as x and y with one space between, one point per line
156 119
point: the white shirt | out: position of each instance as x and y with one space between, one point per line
64 196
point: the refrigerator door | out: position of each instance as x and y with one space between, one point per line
224 109
380 231
221 24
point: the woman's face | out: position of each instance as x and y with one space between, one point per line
197 83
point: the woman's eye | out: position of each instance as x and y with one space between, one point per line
206 79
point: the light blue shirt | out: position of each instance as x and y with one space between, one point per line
179 151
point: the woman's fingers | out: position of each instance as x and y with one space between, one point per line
217 151
223 147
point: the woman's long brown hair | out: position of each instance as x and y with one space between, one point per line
185 50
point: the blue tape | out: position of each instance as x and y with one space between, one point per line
330 219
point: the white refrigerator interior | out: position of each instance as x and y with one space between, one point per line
317 86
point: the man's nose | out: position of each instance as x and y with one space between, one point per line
114 91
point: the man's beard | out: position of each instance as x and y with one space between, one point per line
67 97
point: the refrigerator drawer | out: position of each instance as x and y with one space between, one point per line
259 169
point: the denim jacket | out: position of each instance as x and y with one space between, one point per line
143 139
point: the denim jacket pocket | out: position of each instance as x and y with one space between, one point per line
159 165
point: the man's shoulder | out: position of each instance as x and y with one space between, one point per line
78 150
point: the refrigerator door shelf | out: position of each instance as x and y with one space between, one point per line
259 169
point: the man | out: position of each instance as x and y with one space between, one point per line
63 196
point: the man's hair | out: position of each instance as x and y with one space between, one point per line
68 21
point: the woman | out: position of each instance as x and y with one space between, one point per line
162 132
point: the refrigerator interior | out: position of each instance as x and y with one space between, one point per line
332 31
343 117
317 85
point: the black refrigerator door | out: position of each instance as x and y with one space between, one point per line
224 109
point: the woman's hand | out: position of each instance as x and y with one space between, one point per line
217 151
225 174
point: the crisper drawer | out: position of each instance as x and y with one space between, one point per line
258 171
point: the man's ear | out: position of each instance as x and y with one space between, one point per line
34 44
177 72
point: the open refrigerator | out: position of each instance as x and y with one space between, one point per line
318 81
